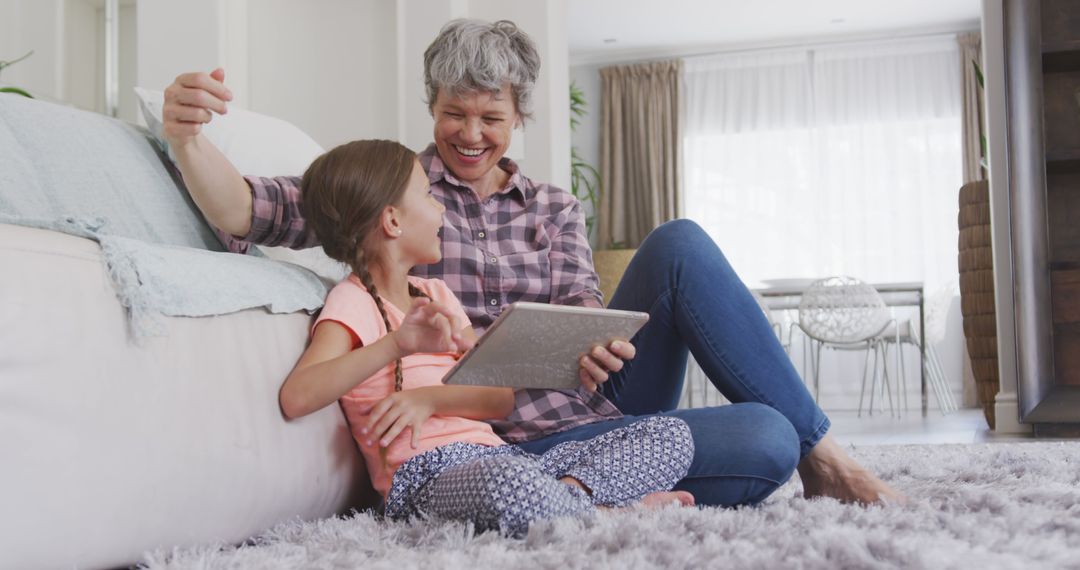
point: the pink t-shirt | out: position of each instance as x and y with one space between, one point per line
350 305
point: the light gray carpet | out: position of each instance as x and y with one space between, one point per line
1001 505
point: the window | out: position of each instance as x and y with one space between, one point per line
825 161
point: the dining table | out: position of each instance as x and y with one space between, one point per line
785 294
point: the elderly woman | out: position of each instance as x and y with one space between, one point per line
507 238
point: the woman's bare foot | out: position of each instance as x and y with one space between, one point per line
829 472
663 499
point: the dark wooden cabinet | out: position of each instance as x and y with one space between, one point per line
1060 35
1042 55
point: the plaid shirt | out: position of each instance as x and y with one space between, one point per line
525 243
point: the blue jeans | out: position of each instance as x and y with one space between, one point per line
696 303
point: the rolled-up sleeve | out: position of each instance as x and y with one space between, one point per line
573 279
275 216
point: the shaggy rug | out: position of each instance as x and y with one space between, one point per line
997 505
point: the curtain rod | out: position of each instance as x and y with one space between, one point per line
835 43
646 55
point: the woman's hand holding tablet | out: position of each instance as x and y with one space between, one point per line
536 345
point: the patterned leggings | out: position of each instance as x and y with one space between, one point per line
506 488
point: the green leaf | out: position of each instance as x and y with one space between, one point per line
978 73
16 91
580 165
4 64
577 105
584 179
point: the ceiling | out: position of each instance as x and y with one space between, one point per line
649 26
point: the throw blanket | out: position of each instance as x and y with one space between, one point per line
152 280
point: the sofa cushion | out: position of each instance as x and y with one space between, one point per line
63 162
100 178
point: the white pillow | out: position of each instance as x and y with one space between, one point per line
257 145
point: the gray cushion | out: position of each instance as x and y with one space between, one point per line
88 175
62 162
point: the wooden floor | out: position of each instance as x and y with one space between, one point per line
963 426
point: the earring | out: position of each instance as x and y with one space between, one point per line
399 232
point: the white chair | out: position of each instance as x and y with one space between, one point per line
906 333
910 333
844 313
776 326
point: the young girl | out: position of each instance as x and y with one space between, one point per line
383 342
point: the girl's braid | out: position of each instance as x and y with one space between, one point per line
361 271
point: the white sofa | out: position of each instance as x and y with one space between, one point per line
112 447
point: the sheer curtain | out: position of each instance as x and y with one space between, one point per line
831 160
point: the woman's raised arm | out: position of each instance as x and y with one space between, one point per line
217 188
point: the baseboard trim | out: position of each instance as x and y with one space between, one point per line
1007 415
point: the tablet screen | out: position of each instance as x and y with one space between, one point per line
535 345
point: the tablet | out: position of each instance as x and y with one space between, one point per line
536 345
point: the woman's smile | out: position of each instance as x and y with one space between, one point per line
470 155
472 133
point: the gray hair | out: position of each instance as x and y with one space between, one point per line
470 56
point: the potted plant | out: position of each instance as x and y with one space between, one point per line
584 178
976 265
5 64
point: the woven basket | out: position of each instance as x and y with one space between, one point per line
610 265
977 291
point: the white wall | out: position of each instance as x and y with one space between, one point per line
328 66
33 25
348 69
174 37
127 107
68 61
84 56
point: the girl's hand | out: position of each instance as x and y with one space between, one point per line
427 328
400 410
602 361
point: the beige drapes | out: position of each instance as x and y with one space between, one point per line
640 151
971 50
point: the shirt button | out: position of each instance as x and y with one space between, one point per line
481 234
494 302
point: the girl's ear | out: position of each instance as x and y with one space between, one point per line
391 226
